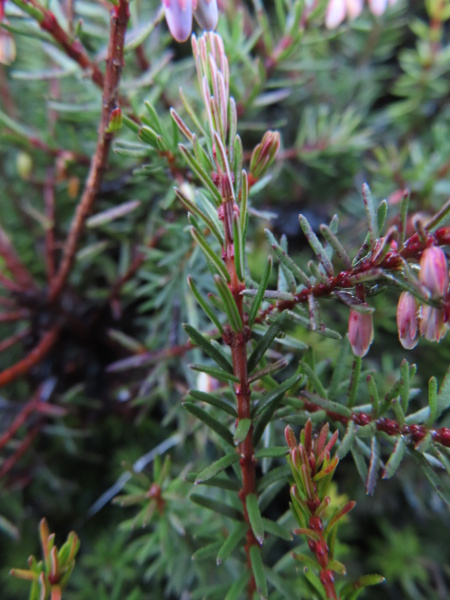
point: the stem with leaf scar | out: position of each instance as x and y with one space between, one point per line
237 340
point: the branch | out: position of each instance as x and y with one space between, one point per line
393 261
48 340
114 63
416 433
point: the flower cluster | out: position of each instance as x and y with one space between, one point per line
179 16
412 317
338 10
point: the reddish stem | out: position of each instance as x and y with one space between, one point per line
415 432
33 358
237 340
114 63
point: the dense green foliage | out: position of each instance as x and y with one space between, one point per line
141 388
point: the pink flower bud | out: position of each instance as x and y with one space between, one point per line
407 320
432 323
360 332
434 271
179 18
206 13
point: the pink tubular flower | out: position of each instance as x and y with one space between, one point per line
179 16
407 320
434 271
360 332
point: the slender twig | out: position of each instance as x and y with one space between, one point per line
415 433
46 343
114 63
393 261
237 340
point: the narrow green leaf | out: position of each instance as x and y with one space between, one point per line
236 534
276 529
265 342
209 253
317 247
374 397
354 381
229 303
207 552
347 440
404 370
260 292
381 214
398 411
443 397
439 217
360 463
371 214
271 368
214 401
242 430
396 458
374 464
202 342
306 323
209 421
107 216
287 261
334 242
432 401
273 452
255 518
273 395
403 218
282 472
224 510
219 374
258 572
198 169
313 379
217 467
204 304
223 482
196 210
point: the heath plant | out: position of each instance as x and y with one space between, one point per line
224 286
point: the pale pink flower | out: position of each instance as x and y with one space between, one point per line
407 320
179 16
338 10
360 332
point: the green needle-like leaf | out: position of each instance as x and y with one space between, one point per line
202 342
217 467
233 539
258 572
210 421
266 341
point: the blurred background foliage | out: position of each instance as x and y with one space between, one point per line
368 101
